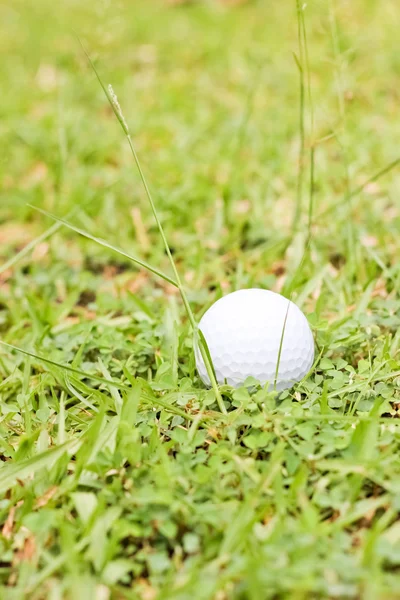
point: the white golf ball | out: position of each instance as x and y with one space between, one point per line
249 332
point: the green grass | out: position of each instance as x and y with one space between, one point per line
121 477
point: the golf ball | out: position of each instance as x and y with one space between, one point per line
256 333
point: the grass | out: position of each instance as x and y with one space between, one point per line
122 478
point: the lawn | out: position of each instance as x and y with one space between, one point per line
269 140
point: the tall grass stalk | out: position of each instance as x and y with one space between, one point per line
311 190
199 340
301 156
358 190
311 140
303 64
306 137
341 138
306 103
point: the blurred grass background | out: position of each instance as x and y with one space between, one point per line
296 498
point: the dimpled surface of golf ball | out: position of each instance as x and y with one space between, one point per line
245 331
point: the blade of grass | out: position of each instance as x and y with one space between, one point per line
106 245
204 342
55 565
61 420
358 190
152 399
10 472
281 345
375 177
30 246
64 367
78 396
41 238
